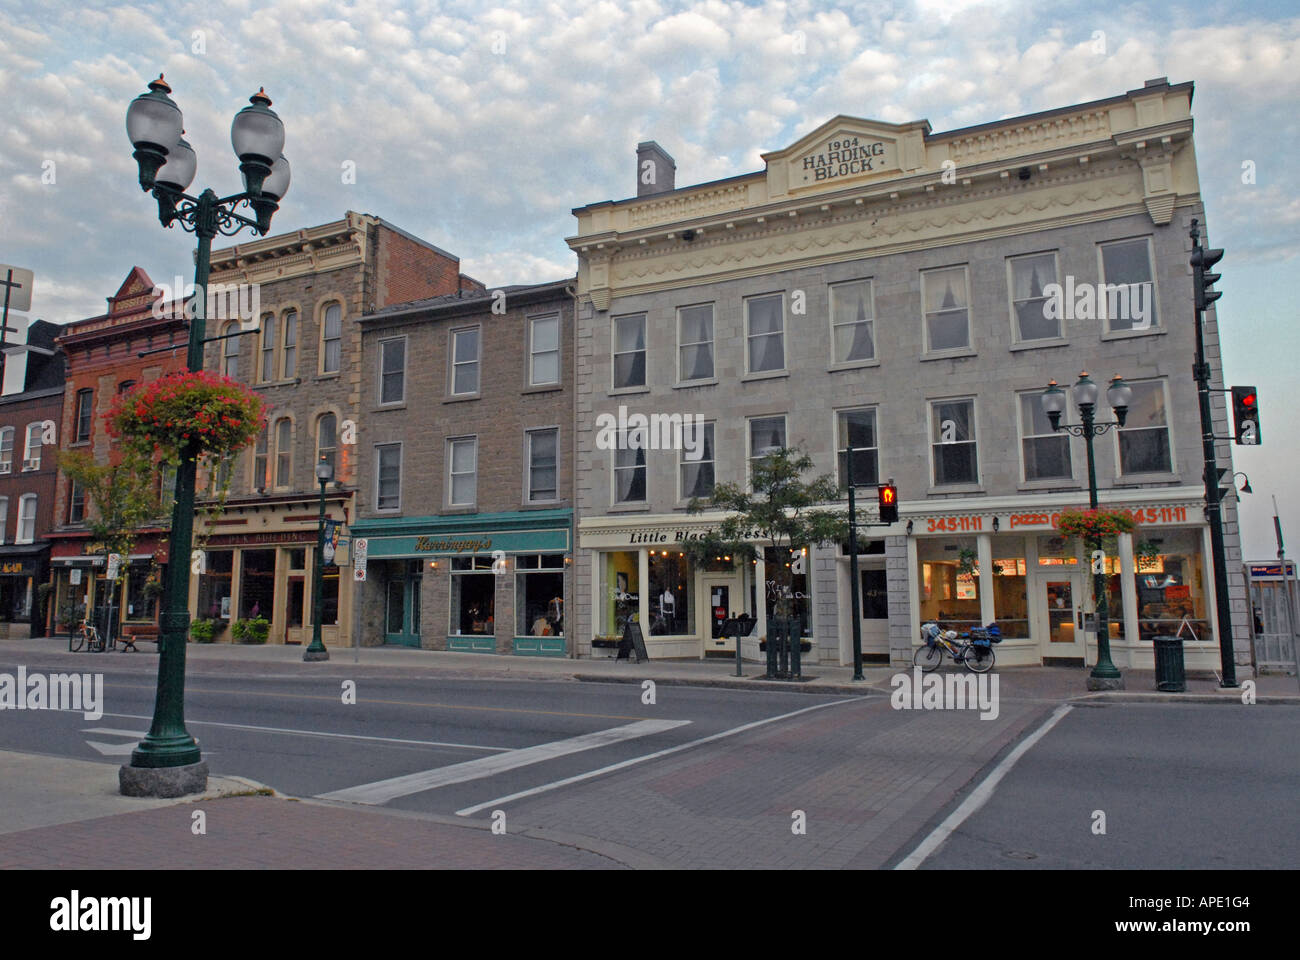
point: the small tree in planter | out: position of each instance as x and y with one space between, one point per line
781 512
202 631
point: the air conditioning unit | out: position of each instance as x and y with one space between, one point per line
31 464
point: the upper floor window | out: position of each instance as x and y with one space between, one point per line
1144 438
289 359
543 461
388 476
766 436
1127 297
544 350
125 385
953 441
4 517
76 502
463 469
629 351
261 460
765 333
392 370
32 447
695 342
852 323
284 452
327 440
6 449
1030 276
697 460
630 467
230 350
268 348
1044 452
947 319
464 361
332 339
85 414
856 433
26 518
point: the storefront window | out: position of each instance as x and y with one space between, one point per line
257 584
1010 591
671 594
473 596
215 584
539 595
949 583
798 592
1056 552
1171 589
622 590
140 606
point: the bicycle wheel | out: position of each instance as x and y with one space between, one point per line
978 659
76 641
928 657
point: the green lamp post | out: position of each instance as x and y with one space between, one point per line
1105 675
167 762
316 650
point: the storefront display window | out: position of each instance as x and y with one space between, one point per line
671 594
473 596
949 583
622 590
539 595
329 594
1010 590
257 584
215 585
140 606
1171 588
799 592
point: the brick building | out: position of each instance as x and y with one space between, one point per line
883 288
103 359
305 357
465 471
31 407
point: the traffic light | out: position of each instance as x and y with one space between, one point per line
1245 415
1203 258
887 498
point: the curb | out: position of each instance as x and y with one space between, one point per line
1156 697
862 689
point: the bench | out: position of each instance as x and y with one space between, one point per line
128 640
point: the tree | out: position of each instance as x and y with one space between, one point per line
781 511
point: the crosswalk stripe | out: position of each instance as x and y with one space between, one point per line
382 791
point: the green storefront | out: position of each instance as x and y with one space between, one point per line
482 583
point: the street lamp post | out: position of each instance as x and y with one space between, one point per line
167 762
1104 676
316 651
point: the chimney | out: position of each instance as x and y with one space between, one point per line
655 170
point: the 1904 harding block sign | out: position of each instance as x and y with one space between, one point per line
885 289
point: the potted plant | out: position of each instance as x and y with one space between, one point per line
188 414
202 631
251 630
966 561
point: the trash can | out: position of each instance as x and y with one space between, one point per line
1170 676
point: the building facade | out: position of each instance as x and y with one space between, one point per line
885 289
31 408
465 491
303 353
103 359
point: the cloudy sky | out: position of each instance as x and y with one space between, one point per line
479 128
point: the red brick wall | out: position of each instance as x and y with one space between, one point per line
411 271
18 414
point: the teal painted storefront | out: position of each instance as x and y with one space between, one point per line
410 549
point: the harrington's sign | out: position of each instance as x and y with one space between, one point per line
443 545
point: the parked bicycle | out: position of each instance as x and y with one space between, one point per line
89 637
975 648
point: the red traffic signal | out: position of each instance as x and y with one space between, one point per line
887 501
1245 416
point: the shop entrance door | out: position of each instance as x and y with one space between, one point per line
1059 619
723 596
402 613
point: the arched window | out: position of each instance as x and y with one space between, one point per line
283 452
230 351
289 367
6 449
26 518
327 440
32 447
268 348
332 339
260 455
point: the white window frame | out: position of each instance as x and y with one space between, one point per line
452 474
528 464
6 462
326 340
1101 305
230 350
267 353
842 441
89 394
615 353
712 342
477 362
4 518
533 352
925 316
749 441
379 448
932 443
623 445
23 518
682 462
332 450
836 362
383 346
289 368
1169 432
279 453
1021 437
265 456
32 451
1016 339
785 352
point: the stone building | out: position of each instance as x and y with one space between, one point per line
889 289
465 471
304 355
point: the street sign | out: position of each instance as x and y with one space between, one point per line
17 285
74 576
114 562
359 549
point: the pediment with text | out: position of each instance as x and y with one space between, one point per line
846 151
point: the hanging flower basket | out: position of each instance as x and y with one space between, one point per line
1099 524
200 412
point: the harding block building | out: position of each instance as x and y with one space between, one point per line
889 290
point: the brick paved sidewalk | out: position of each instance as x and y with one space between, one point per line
260 832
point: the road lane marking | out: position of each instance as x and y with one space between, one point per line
649 756
113 749
116 733
980 795
382 791
320 733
